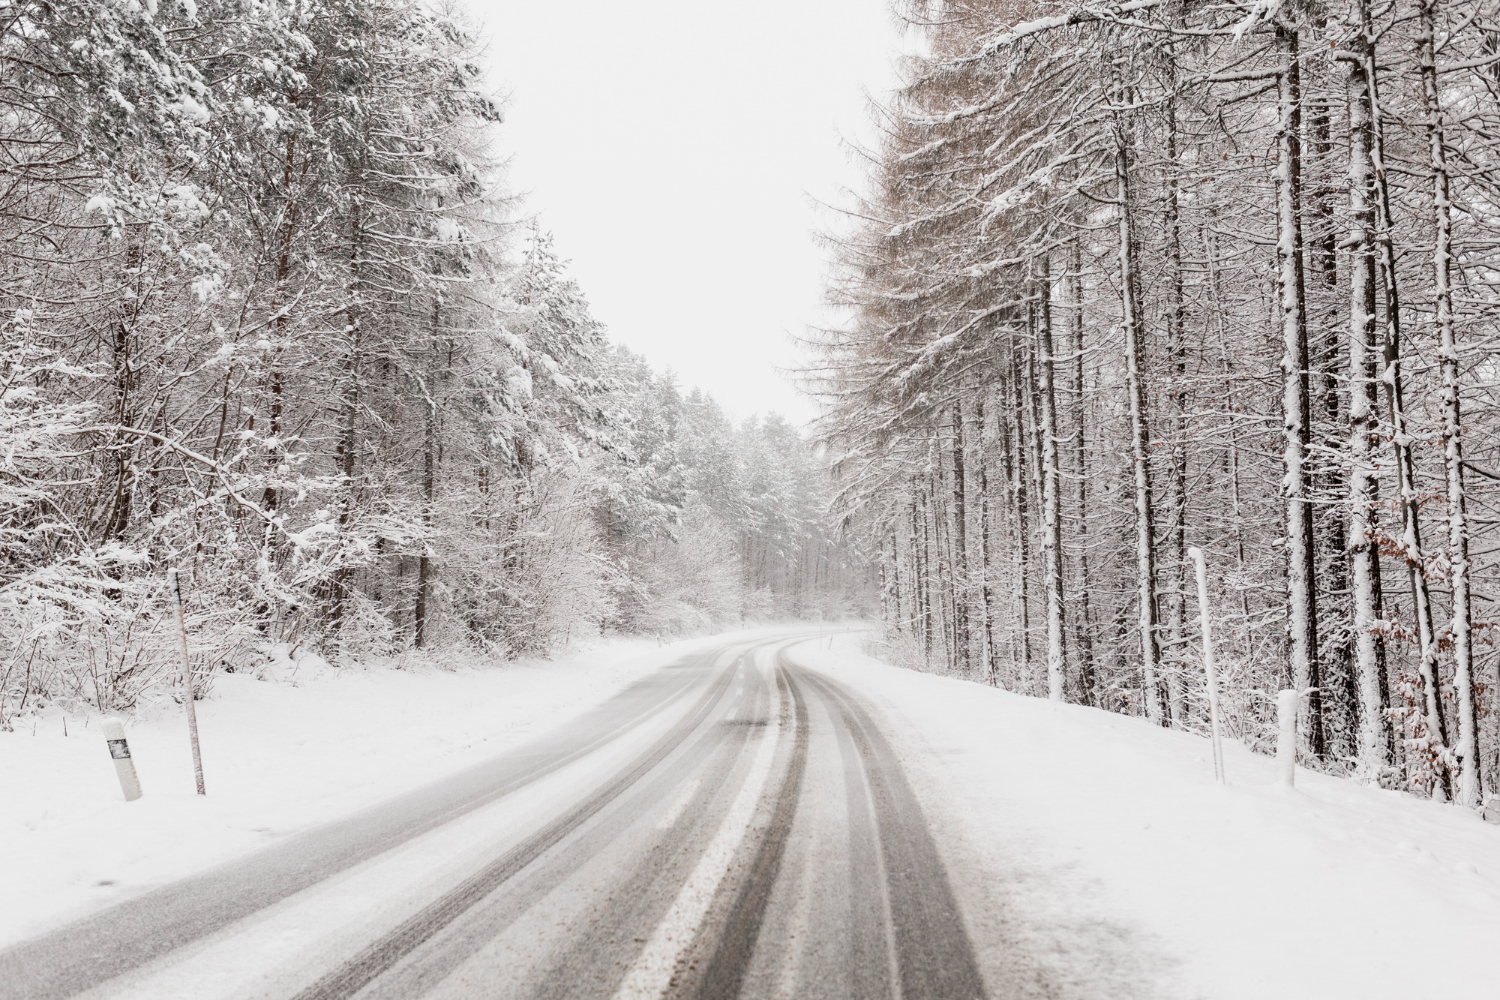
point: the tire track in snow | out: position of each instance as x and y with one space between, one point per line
375 959
934 957
662 959
150 926
726 968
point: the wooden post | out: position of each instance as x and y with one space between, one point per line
187 679
1196 554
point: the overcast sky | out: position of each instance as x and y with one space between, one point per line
677 148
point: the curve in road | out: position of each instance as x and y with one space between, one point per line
734 825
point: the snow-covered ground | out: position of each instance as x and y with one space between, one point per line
1094 850
278 757
1111 856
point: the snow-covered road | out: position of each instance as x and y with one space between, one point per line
771 815
732 825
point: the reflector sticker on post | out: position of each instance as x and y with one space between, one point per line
119 752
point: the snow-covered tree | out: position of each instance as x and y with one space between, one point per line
1133 277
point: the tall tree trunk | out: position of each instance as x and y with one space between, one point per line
1391 377
1469 791
348 441
1326 484
425 568
1085 627
962 583
1012 455
1051 491
274 376
888 614
922 513
1140 436
986 501
1364 434
124 450
1177 402
971 427
1302 612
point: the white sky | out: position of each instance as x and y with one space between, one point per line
677 149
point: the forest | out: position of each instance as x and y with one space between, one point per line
1125 281
271 319
1129 279
400 595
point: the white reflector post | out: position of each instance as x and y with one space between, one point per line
1286 742
119 752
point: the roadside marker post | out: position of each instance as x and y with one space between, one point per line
119 752
1286 743
187 678
1196 554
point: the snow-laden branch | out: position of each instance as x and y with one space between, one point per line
1079 15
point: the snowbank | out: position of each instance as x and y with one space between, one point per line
1104 842
278 757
